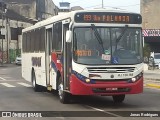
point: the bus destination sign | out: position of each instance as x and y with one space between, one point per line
108 17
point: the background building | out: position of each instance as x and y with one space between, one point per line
16 15
150 11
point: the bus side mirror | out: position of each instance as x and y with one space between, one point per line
68 36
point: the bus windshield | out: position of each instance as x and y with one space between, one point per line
107 45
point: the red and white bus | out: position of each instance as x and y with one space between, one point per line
87 52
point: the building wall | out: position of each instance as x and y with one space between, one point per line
51 8
27 9
150 11
8 26
33 9
46 9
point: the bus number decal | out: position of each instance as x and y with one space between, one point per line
36 61
83 52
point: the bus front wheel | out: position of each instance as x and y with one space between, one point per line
118 98
63 96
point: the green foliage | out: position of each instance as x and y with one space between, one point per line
13 53
146 50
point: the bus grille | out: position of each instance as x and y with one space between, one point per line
110 69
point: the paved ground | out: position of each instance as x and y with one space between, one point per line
7 65
152 78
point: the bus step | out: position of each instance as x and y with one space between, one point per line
49 87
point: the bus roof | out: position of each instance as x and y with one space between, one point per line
70 15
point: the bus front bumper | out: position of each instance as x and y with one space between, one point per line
78 87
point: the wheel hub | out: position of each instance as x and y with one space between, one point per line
60 90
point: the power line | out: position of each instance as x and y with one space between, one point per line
100 5
129 5
77 1
115 7
93 6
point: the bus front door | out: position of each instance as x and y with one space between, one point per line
48 68
67 56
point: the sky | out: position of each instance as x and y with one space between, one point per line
129 5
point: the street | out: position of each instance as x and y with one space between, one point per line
16 94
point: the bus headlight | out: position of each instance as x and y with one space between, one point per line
87 80
83 78
134 79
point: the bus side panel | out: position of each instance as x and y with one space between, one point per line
26 66
57 61
34 61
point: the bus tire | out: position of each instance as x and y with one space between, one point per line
118 98
63 96
34 84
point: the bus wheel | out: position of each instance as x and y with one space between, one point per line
63 96
118 98
34 84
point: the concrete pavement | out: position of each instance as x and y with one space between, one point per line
152 78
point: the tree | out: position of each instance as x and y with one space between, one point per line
146 52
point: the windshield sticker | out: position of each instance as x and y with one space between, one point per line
115 60
107 52
106 57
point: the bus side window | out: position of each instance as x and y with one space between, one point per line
32 40
57 37
42 42
24 42
28 41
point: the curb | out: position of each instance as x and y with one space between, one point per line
153 85
3 66
154 79
7 65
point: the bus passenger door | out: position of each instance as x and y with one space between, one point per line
67 56
48 57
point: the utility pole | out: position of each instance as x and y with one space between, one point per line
7 29
2 39
2 11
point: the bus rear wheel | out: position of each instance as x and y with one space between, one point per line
63 96
118 98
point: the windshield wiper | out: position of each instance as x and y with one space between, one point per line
99 39
121 35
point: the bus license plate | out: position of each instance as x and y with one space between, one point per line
111 89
